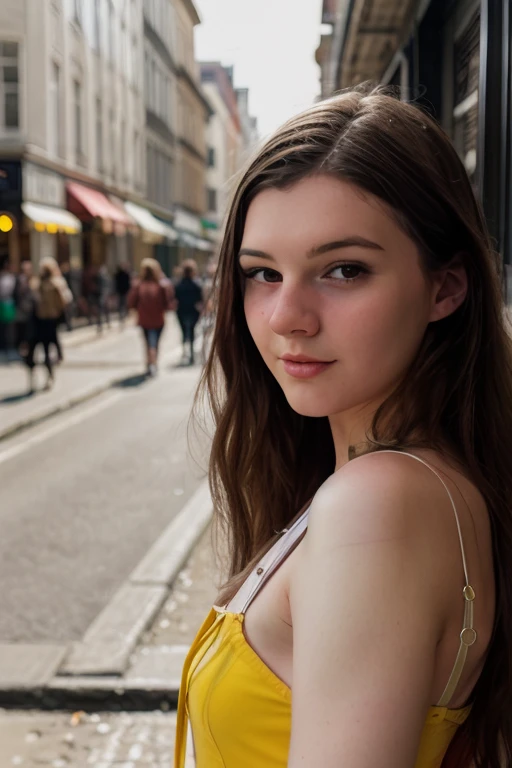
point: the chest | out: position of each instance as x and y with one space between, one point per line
268 621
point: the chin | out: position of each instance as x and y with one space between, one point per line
312 405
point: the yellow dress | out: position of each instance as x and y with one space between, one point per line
240 711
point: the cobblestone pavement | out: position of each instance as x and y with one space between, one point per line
65 740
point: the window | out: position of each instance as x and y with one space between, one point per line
136 158
211 157
112 143
147 78
54 141
149 171
96 26
124 52
99 135
9 85
79 12
123 150
77 98
133 63
212 200
153 90
111 31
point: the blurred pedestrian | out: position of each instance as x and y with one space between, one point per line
7 308
51 296
152 295
177 274
96 289
104 294
24 307
123 283
67 315
360 380
90 291
189 296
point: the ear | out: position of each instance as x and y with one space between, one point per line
449 289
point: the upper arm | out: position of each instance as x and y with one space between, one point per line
366 622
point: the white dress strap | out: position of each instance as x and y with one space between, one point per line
468 634
268 564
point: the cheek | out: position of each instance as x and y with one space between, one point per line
256 315
385 322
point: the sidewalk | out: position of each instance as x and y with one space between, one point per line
93 362
127 740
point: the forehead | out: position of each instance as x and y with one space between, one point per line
315 210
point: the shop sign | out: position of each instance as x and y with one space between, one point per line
187 221
43 186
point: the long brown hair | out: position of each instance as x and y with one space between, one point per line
267 461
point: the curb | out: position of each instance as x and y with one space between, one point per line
101 671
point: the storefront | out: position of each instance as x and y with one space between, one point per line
106 226
10 210
192 244
35 222
157 239
53 232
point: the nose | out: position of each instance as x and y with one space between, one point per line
294 312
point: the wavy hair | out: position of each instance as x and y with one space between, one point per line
267 461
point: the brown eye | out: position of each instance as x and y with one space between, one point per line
346 272
263 275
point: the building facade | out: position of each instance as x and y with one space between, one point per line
161 128
451 56
71 127
194 112
248 123
224 142
102 132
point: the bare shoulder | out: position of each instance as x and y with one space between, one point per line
366 580
376 497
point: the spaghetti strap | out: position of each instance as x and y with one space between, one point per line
468 634
268 564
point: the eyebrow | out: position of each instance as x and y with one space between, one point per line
347 242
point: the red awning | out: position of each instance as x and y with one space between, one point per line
87 204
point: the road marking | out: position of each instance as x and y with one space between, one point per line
71 421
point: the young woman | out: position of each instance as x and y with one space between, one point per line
152 296
361 384
51 296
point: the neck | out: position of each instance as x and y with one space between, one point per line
349 431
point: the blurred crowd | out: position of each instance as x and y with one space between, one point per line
34 306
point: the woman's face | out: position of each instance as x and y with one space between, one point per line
335 297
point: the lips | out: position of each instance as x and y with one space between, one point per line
303 359
304 367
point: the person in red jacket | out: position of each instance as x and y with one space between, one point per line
152 295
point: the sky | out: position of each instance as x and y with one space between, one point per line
271 44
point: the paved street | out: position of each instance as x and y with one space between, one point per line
65 740
86 493
92 362
37 739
